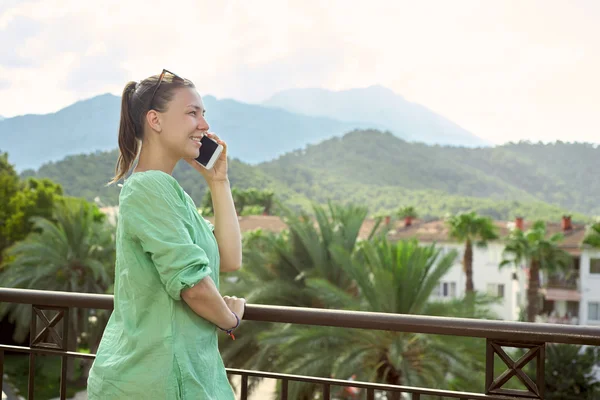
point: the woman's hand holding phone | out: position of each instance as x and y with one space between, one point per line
218 172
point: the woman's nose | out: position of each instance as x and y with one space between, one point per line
203 126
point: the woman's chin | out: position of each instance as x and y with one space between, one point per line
193 153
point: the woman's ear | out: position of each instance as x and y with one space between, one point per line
153 119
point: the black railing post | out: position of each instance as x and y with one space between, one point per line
326 392
64 359
244 388
370 394
31 380
31 377
1 370
284 389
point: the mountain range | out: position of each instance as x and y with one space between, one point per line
384 172
255 132
405 119
367 146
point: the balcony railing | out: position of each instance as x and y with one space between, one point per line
498 334
560 282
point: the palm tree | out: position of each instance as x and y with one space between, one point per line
277 267
471 228
73 253
408 213
265 199
393 278
592 236
570 372
542 254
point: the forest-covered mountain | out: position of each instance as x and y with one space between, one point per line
558 173
384 172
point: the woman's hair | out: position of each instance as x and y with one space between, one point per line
136 101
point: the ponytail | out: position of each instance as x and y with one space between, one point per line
128 135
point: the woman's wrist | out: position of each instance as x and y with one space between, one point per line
230 330
218 182
235 322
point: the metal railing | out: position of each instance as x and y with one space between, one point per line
561 282
498 334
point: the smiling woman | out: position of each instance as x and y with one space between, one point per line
161 340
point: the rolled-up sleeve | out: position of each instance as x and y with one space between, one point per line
154 213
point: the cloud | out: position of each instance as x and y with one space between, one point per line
94 71
504 70
15 35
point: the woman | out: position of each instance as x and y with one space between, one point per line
161 339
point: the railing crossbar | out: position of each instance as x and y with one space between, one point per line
489 329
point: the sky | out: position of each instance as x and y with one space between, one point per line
506 70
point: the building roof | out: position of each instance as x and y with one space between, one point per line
437 231
425 231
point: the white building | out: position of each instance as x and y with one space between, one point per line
506 283
589 306
564 297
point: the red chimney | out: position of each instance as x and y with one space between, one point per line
519 223
408 221
566 223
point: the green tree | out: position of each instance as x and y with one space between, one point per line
471 228
407 212
35 198
247 202
73 252
267 200
570 372
592 235
541 253
9 185
396 278
207 205
239 199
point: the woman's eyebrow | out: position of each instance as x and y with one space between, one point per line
197 107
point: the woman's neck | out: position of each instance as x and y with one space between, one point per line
154 158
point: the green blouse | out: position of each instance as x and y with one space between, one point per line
155 346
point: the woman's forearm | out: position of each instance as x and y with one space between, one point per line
206 301
227 226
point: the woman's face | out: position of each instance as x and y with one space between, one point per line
183 124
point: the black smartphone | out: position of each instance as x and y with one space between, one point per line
209 152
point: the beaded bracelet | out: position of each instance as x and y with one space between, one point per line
230 331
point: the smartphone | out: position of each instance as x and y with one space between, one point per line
209 152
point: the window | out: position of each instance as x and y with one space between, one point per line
445 289
594 312
494 258
496 289
449 289
594 265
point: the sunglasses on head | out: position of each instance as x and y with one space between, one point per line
167 76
